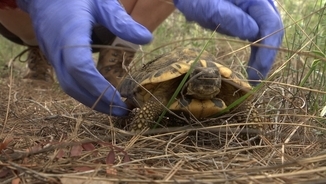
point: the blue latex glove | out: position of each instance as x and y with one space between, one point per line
246 19
63 29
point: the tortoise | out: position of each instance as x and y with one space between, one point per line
210 87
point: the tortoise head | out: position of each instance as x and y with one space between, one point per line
204 83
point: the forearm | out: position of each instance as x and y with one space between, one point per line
17 22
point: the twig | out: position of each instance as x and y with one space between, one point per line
8 104
45 108
35 174
19 155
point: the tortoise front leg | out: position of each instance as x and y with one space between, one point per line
147 114
248 113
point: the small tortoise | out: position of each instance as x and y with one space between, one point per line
210 88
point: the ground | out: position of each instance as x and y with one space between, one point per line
47 137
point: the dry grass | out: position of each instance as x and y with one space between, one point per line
50 138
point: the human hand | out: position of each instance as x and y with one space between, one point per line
246 19
63 30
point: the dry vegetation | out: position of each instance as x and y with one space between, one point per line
47 137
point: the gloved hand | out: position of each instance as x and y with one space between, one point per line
63 30
246 19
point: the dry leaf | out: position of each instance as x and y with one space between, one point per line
88 146
5 143
4 172
110 158
76 151
60 154
126 158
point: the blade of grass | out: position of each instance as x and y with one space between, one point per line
176 92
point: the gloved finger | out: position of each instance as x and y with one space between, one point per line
270 29
115 18
221 14
79 64
63 37
73 89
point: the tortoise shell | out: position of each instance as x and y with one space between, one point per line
210 87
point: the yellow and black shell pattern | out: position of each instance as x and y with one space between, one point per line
162 76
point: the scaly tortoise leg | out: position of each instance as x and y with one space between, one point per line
147 114
249 114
